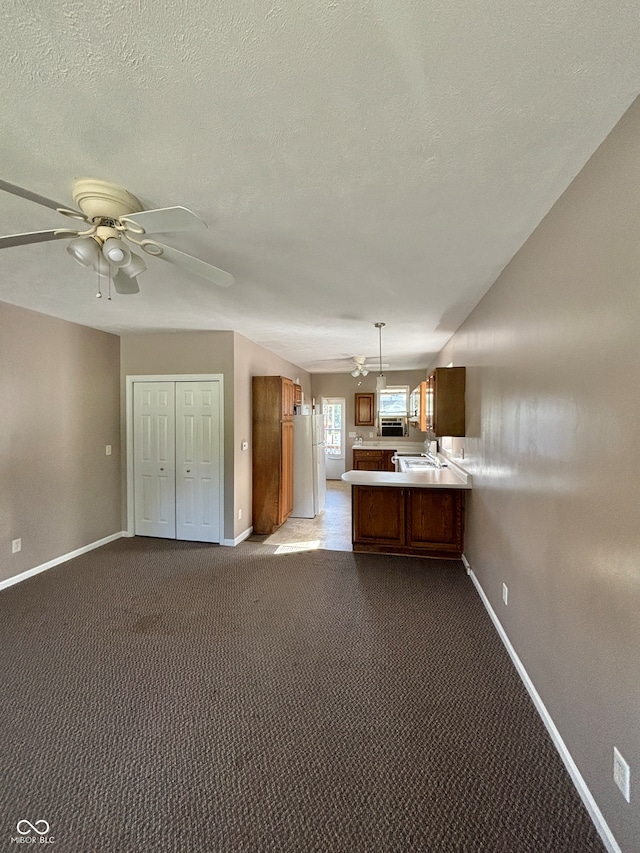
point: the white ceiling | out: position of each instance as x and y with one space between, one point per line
356 160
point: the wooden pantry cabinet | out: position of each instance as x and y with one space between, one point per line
272 441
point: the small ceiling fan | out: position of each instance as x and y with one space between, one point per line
114 219
361 368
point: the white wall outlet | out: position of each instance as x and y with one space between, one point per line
622 774
16 545
505 593
353 434
244 445
239 514
370 435
107 450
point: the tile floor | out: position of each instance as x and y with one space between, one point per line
331 529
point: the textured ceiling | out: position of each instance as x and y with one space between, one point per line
356 160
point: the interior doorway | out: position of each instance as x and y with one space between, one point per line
334 411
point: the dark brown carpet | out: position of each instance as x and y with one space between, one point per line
163 696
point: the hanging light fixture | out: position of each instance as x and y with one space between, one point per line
381 380
359 368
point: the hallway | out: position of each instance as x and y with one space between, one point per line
330 529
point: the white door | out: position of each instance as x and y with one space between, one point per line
176 460
334 410
154 459
198 461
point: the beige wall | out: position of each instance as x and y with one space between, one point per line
167 353
553 413
237 359
344 385
253 360
59 386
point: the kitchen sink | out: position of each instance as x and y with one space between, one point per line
415 463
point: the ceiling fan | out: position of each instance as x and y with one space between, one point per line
114 219
361 368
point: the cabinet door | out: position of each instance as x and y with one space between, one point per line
430 399
387 464
286 472
297 395
445 405
365 410
422 407
368 460
435 519
378 515
287 399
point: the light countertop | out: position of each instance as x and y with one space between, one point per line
430 478
390 444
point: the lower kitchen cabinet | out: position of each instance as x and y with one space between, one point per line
373 460
412 521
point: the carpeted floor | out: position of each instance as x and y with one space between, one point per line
172 696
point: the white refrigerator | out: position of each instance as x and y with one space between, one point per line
309 466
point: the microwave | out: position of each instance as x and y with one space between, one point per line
393 426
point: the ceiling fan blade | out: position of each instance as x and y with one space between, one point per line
123 284
35 237
191 264
165 219
39 199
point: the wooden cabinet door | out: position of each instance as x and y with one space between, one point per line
435 520
368 460
286 472
422 407
378 516
297 395
387 464
430 399
287 398
445 405
365 414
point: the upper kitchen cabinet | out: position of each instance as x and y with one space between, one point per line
288 398
418 407
445 412
365 410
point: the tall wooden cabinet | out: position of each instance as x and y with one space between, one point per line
272 439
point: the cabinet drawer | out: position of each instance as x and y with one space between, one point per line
368 454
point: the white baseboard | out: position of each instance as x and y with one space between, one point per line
585 794
63 559
233 542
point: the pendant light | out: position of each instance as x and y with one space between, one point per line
381 380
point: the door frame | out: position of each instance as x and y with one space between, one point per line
170 377
329 398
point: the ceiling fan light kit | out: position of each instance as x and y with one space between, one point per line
113 215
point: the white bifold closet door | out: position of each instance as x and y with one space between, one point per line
177 460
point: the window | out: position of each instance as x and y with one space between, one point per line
332 411
393 400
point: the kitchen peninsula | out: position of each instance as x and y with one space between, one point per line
417 512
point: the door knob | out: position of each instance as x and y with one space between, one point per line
162 469
188 470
